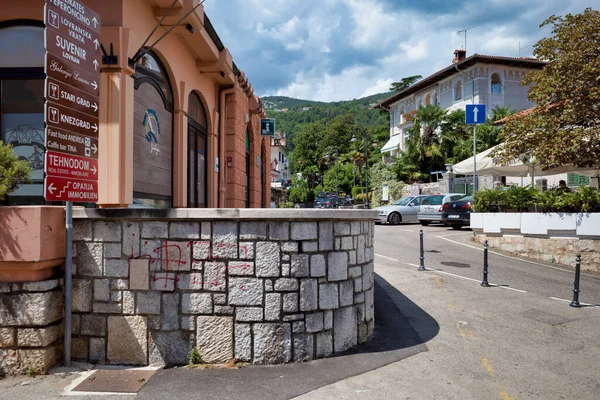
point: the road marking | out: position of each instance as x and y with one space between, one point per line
451 274
488 367
514 258
583 304
389 258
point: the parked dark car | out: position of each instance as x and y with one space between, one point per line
457 213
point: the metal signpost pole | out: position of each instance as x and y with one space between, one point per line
71 121
367 167
474 159
68 284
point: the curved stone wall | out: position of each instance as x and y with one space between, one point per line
263 286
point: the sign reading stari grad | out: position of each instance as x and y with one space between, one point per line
72 38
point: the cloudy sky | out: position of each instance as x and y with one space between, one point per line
331 50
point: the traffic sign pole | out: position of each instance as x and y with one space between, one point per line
72 68
475 114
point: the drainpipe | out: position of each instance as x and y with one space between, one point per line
222 162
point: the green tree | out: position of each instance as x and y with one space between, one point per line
382 174
564 127
13 172
404 83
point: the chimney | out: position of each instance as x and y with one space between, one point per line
459 55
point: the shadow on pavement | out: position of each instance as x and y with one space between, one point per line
394 339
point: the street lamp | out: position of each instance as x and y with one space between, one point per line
337 187
474 131
366 138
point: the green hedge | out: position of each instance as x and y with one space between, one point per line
529 199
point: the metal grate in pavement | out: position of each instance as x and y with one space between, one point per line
546 317
115 381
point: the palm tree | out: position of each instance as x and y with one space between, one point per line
423 145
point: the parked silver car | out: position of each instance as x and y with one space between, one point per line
431 207
403 210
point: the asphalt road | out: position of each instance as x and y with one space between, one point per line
491 343
450 251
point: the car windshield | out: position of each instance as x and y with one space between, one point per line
403 201
466 198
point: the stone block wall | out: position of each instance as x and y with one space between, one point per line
31 329
274 286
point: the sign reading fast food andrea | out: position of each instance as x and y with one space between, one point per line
72 39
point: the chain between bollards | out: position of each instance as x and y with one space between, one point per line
575 302
422 253
485 282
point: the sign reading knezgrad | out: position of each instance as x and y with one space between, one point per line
72 38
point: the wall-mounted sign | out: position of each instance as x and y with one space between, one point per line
267 126
68 96
71 143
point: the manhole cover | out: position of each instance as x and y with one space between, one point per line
115 381
455 264
545 317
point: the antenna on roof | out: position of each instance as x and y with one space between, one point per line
465 31
521 48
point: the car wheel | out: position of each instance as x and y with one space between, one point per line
456 227
424 223
395 218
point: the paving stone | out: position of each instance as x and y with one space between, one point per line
240 268
317 265
347 243
131 239
325 236
337 266
249 314
289 247
269 343
214 338
299 265
223 310
279 230
191 281
304 231
243 342
298 327
116 268
310 246
205 231
290 302
202 250
107 308
369 307
82 295
314 322
164 281
169 348
147 303
324 347
7 337
97 350
308 295
246 251
286 284
155 229
107 231
303 347
196 303
345 334
128 299
245 291
82 231
220 298
184 230
170 311
253 230
215 279
101 289
225 240
368 276
127 340
112 250
328 296
354 272
89 260
39 337
346 293
341 228
176 256
327 319
267 259
355 228
92 325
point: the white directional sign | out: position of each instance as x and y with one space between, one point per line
475 114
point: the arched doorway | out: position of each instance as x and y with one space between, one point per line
197 153
153 134
22 102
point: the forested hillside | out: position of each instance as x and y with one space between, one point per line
296 117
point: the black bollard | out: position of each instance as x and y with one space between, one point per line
422 256
575 302
485 282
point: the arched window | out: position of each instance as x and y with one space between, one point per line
496 84
420 103
22 102
428 99
152 134
197 153
458 90
435 99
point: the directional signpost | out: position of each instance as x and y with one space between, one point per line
72 39
475 114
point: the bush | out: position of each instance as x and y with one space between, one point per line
357 190
13 172
286 204
524 199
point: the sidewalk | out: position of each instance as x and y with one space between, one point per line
393 340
